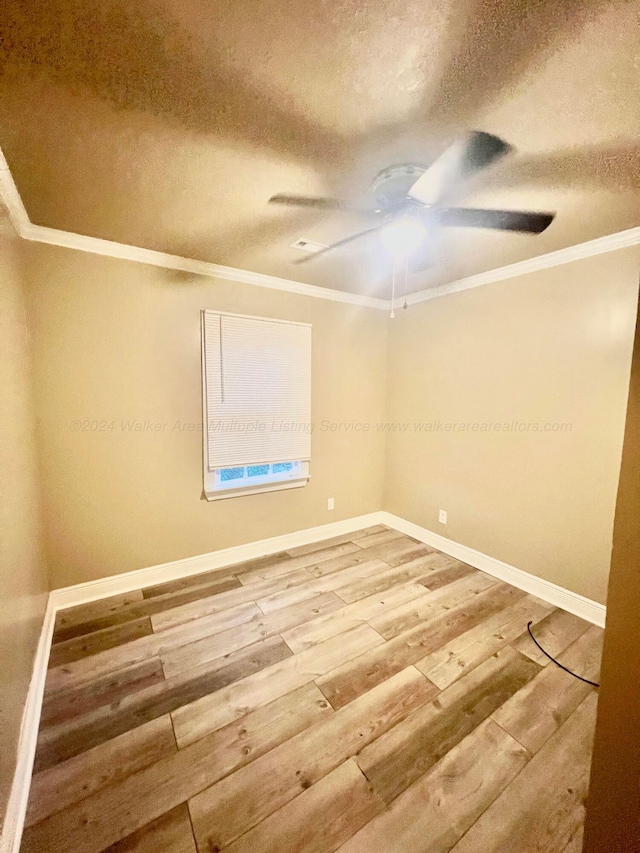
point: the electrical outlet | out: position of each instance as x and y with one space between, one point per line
331 503
442 516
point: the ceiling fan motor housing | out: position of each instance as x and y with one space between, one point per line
392 185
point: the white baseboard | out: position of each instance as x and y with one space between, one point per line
82 593
580 606
127 582
19 794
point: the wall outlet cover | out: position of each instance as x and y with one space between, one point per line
331 503
442 516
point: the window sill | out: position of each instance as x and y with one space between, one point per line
222 494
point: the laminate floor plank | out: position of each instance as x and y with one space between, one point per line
170 833
122 615
309 633
326 583
312 547
334 582
302 562
461 654
87 645
446 575
71 616
227 600
149 606
376 528
217 581
153 645
401 756
292 588
114 812
237 803
434 812
369 540
544 807
338 540
161 602
168 696
363 587
554 633
212 712
319 820
536 712
59 787
257 563
360 693
399 550
66 705
360 674
175 661
287 598
339 564
432 604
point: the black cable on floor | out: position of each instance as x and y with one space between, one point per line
586 680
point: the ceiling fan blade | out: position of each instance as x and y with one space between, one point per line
461 160
527 222
318 203
337 245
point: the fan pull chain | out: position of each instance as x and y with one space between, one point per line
393 287
221 363
406 276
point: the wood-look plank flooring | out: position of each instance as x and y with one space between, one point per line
366 693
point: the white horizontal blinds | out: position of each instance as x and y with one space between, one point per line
258 390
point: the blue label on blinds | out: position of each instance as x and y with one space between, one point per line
245 477
257 470
231 473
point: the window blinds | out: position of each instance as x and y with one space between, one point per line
257 390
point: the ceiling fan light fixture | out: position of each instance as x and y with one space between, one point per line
403 235
409 197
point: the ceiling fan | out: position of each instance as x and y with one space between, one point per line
410 199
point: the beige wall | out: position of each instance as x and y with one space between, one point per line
23 580
116 341
549 347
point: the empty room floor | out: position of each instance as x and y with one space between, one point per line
365 693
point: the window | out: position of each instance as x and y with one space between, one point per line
257 404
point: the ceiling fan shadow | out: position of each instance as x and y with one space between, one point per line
498 43
142 60
615 166
490 45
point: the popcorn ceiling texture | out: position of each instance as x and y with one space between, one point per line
169 123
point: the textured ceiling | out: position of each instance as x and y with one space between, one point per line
169 123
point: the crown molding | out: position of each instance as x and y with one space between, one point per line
11 198
599 246
108 248
123 251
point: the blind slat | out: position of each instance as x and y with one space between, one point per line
257 390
